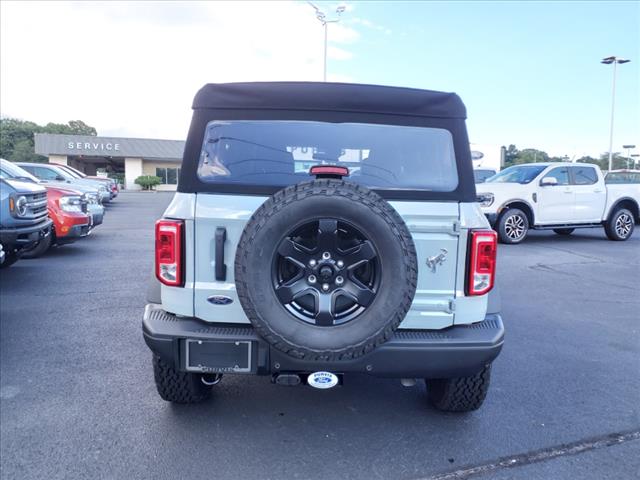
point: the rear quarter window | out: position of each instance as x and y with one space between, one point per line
280 153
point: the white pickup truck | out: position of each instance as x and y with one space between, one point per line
559 197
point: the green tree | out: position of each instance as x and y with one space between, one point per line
590 159
510 155
147 182
618 161
74 127
23 152
513 156
16 136
78 127
531 155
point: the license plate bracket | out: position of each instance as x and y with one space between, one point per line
218 356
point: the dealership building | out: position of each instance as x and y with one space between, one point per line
132 157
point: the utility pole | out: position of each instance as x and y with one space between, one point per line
322 17
628 147
615 61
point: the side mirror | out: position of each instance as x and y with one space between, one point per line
60 178
548 182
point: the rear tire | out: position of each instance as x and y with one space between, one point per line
459 394
564 231
39 248
620 225
179 387
513 226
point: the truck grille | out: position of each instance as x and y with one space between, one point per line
36 205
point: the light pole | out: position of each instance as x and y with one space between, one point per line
322 17
628 147
608 61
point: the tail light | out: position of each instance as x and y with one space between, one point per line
169 241
483 246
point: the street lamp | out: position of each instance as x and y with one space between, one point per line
615 61
628 147
322 17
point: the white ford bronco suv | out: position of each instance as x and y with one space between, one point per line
321 229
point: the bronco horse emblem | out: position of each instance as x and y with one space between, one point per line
433 262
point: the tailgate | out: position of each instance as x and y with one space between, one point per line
434 226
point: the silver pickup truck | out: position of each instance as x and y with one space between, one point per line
320 230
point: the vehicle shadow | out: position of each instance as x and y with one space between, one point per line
539 237
365 411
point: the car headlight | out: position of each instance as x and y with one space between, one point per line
70 204
18 206
91 197
485 199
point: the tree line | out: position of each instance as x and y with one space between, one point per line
16 137
513 156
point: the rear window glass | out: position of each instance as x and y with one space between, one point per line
280 153
623 177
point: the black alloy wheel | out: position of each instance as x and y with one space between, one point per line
326 272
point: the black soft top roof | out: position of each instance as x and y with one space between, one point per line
330 97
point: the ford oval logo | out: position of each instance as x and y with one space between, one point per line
219 300
322 380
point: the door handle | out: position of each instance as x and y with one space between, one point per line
598 191
221 268
568 191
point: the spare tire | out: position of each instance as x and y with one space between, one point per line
325 270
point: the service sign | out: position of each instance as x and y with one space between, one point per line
94 146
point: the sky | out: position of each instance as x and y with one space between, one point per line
528 72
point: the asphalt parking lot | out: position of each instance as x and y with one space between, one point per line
77 398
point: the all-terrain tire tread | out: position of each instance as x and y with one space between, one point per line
350 191
460 394
178 387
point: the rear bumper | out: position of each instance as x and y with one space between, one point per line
455 351
22 237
